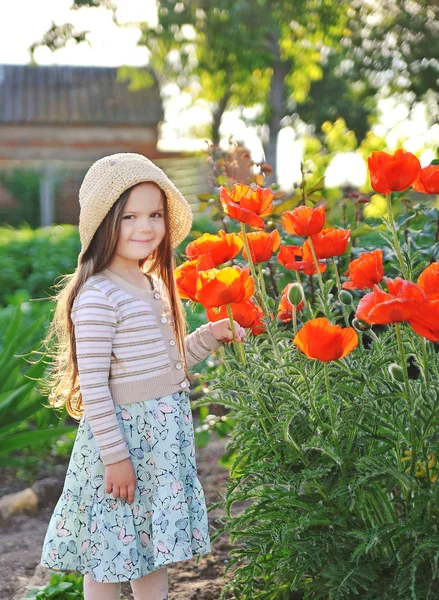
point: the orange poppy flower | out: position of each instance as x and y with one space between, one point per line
428 180
291 258
428 281
216 287
246 313
262 245
285 310
320 340
221 247
365 271
403 302
246 204
329 242
186 275
426 321
393 172
407 289
304 220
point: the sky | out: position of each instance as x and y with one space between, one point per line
25 21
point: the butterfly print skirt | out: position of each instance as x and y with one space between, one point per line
90 531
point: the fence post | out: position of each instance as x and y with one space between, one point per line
47 185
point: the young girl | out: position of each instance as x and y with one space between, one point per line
132 502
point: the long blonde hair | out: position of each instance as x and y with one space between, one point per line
61 384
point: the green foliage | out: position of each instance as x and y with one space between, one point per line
24 187
333 490
20 400
333 513
62 586
31 260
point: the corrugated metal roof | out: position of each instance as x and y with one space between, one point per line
74 95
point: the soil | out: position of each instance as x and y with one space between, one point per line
21 540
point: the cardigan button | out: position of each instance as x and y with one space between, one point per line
172 343
183 384
178 366
164 320
157 296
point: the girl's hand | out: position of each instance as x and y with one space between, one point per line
222 331
121 480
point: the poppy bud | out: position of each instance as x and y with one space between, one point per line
345 297
296 294
360 325
396 372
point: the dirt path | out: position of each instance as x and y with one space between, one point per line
21 540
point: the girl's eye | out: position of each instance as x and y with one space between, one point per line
156 213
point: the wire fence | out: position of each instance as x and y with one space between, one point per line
45 192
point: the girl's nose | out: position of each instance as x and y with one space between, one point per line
145 225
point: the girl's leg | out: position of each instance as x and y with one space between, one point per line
153 586
96 590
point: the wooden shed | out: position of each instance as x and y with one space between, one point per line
56 120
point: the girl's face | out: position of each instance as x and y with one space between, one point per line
142 227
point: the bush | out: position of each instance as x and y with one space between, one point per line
334 449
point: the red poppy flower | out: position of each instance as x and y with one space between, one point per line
246 204
246 313
262 245
428 180
426 321
221 247
320 340
428 281
365 271
216 287
393 172
186 275
403 302
329 242
304 220
285 310
291 258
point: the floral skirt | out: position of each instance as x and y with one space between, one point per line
92 532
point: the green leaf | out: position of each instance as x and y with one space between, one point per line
27 438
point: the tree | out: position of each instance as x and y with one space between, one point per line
246 52
242 53
316 60
394 44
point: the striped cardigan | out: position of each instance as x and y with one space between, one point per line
126 352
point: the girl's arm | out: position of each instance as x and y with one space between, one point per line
94 319
199 344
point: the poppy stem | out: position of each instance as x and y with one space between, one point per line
265 410
238 347
407 391
329 396
337 278
395 236
425 361
259 296
319 275
263 289
294 313
302 366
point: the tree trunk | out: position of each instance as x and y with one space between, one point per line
217 117
276 113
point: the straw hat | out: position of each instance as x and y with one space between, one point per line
105 181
